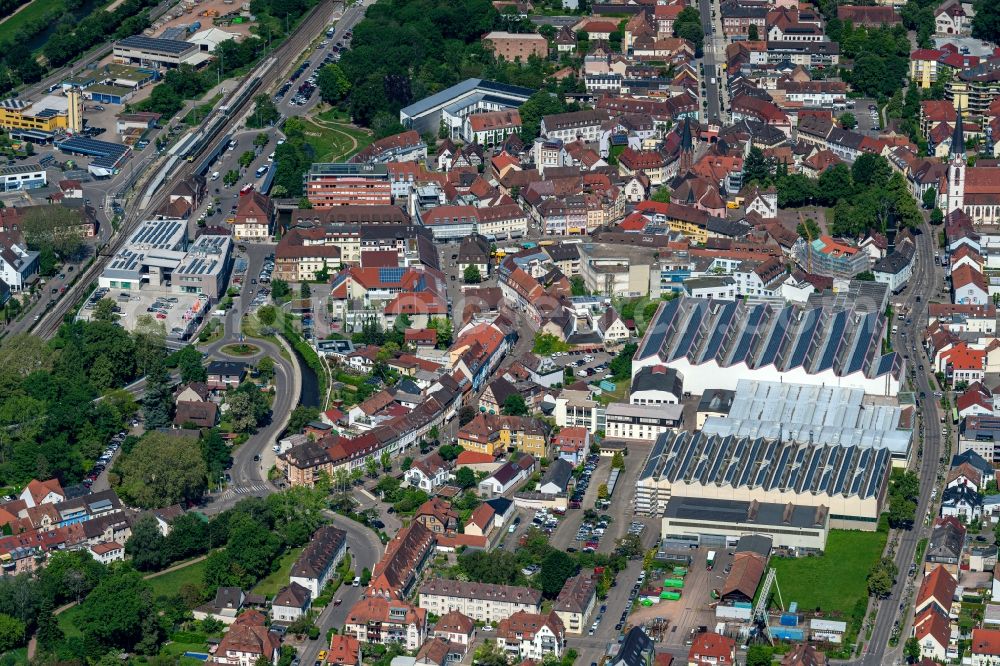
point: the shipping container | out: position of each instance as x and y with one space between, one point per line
670 596
787 633
789 620
673 582
680 571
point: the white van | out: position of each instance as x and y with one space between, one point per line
215 175
357 581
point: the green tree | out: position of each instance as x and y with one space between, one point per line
881 578
280 289
547 344
471 275
267 314
231 177
264 113
265 368
49 633
618 461
114 613
253 547
260 140
870 170
146 545
158 400
189 362
687 25
490 654
930 198
629 546
577 285
557 567
215 453
752 33
514 405
246 158
911 649
333 84
759 655
371 467
304 290
661 195
105 310
986 24
161 470
756 168
12 632
834 184
848 121
300 416
937 217
465 477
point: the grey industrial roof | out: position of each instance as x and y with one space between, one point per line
463 88
716 400
767 464
15 169
810 413
166 46
768 514
817 339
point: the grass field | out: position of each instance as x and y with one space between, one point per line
34 11
835 581
279 577
67 622
335 140
169 584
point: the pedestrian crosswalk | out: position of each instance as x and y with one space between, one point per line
250 489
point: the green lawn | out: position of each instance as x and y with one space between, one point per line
169 584
177 651
278 578
335 141
67 622
34 11
835 581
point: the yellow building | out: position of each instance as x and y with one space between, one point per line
496 435
50 113
697 233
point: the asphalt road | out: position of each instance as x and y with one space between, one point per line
365 549
710 74
923 283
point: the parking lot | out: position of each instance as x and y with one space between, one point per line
178 312
866 113
591 366
694 609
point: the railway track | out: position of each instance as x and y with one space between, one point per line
263 77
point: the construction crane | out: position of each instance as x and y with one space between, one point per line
760 610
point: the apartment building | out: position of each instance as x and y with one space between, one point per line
576 601
343 184
482 602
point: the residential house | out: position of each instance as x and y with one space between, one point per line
945 547
108 552
344 651
937 591
428 473
290 603
456 627
247 641
37 493
201 414
254 218
637 649
481 521
437 515
657 385
556 479
382 621
711 649
483 602
984 649
405 557
969 286
18 264
317 562
507 477
494 435
612 329
572 444
933 633
223 375
962 501
526 635
576 601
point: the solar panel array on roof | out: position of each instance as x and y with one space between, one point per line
86 146
144 43
390 274
815 339
771 465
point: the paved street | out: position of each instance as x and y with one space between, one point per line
714 52
365 550
925 276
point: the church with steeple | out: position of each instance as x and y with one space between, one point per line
974 190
